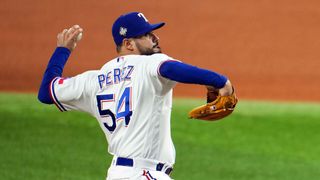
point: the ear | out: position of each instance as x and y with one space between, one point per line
129 44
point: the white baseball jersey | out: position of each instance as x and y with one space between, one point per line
131 101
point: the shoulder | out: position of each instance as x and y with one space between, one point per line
89 79
87 76
91 73
161 56
157 58
111 62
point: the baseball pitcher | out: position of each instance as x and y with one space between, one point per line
131 96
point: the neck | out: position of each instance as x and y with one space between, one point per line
128 51
122 53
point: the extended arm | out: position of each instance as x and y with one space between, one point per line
221 99
185 73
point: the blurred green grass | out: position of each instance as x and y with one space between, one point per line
259 141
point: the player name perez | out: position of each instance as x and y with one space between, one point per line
115 76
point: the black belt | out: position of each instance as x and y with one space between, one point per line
129 162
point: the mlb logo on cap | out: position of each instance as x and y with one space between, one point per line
132 25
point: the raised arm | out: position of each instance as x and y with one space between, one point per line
66 43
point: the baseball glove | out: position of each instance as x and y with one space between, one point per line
217 106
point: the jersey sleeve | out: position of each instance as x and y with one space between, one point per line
160 84
73 93
155 63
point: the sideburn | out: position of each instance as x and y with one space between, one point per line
142 50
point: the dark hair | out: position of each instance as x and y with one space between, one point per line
118 48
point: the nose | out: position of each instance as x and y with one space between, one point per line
155 38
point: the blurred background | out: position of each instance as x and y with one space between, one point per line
269 49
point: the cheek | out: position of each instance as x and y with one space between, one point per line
148 43
144 44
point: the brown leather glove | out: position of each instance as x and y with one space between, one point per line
217 106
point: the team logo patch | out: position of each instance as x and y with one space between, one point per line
123 31
61 81
141 15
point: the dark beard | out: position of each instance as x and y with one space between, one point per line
148 51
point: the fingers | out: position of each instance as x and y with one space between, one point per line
227 89
73 32
61 38
69 37
61 34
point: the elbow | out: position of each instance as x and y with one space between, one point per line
44 97
43 100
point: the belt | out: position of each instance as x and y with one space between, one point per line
120 161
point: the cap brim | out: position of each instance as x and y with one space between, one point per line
152 27
157 26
